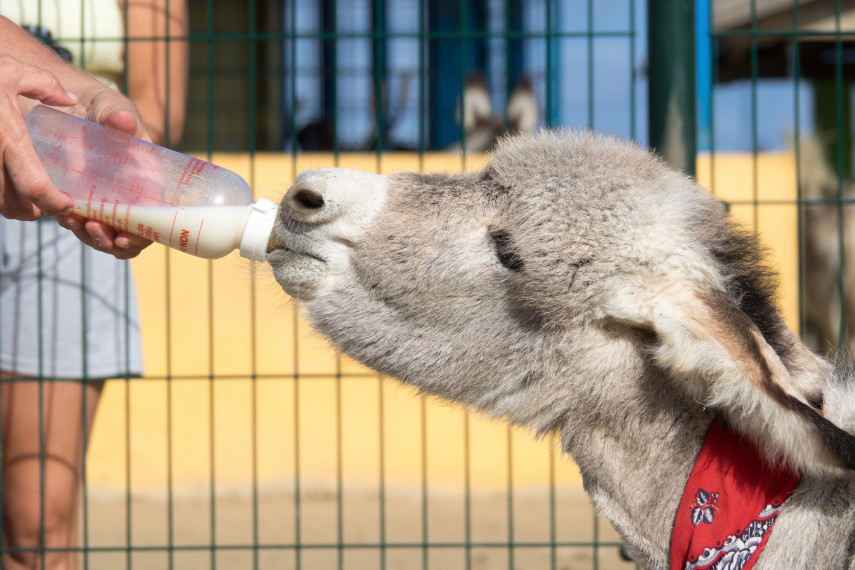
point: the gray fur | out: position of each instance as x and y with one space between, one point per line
629 312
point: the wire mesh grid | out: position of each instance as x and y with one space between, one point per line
779 86
247 443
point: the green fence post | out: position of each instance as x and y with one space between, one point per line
672 107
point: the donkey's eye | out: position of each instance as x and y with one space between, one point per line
505 250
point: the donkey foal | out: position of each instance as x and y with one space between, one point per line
577 284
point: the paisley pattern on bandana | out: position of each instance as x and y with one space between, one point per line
737 550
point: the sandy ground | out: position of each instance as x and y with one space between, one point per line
346 530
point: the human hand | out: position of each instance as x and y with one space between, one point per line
111 109
26 192
119 244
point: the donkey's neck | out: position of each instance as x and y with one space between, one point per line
635 465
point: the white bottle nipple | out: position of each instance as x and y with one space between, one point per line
259 225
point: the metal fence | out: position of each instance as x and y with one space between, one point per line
777 78
247 443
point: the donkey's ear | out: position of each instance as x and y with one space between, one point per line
719 355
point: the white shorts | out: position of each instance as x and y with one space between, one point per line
66 310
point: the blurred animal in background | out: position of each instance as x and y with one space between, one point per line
824 302
482 127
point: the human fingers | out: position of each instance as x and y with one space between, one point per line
12 206
19 78
102 237
112 109
29 191
26 192
122 120
131 242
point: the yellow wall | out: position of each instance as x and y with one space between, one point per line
211 327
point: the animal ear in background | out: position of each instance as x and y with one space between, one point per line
476 102
482 127
523 112
716 353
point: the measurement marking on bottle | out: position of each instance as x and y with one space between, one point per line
172 230
194 167
199 235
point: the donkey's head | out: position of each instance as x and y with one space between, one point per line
569 262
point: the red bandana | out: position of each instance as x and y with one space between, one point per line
730 503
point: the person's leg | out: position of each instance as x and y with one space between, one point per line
42 510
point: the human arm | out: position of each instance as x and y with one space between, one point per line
157 67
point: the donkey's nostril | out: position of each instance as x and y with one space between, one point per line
309 199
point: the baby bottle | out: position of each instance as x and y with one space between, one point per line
136 186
